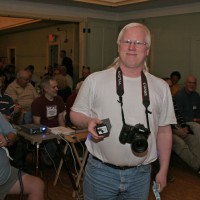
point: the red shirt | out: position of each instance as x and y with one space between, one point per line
48 110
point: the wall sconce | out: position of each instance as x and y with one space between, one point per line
60 29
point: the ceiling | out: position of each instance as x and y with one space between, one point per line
21 24
113 3
117 5
8 25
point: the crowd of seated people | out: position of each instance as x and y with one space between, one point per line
19 105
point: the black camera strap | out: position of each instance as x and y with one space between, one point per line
120 90
145 93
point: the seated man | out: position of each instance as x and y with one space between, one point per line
23 93
185 144
188 104
9 180
49 109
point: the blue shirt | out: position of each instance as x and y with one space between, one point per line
5 169
5 126
188 104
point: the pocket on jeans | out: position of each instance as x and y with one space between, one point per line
93 163
145 168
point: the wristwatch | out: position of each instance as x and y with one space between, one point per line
7 139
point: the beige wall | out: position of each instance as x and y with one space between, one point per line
32 46
175 45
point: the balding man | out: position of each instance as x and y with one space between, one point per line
22 92
188 103
188 100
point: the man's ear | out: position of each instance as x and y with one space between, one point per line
147 51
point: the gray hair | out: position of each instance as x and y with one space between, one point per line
46 81
115 63
131 25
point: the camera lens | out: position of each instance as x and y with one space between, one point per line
139 144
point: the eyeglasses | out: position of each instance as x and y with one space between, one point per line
138 44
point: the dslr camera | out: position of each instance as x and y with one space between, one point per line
136 136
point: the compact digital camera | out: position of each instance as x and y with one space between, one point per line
136 136
104 128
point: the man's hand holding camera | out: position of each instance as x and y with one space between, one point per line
99 128
92 128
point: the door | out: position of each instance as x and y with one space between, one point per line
53 54
11 55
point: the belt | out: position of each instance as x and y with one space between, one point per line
113 166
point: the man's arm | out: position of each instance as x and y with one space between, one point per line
8 133
79 120
164 147
61 120
82 121
36 120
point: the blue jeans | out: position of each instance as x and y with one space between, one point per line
103 182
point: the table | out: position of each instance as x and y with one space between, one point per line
79 135
36 139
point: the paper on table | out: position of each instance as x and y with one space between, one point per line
62 130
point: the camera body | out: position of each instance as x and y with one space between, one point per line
136 136
104 128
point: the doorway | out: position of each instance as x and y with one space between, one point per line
53 54
11 55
